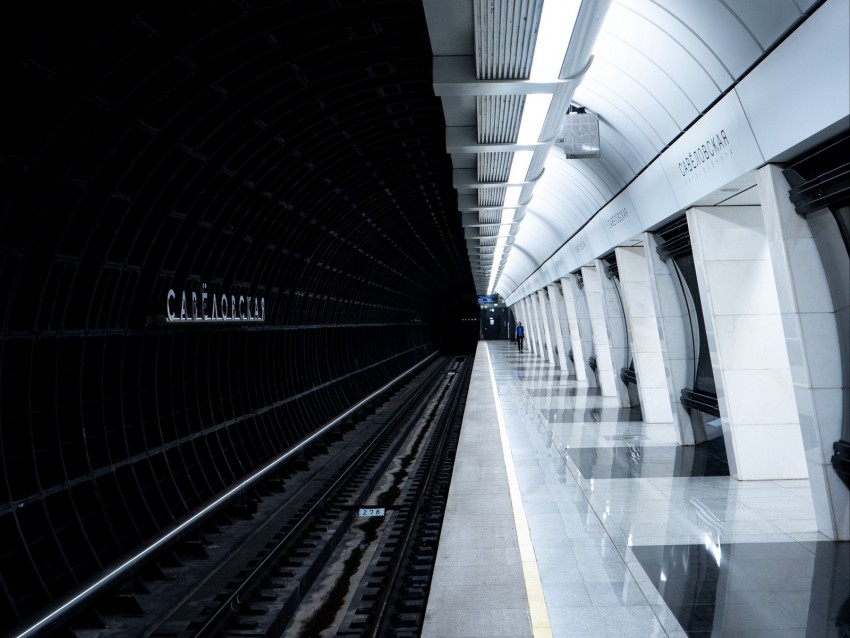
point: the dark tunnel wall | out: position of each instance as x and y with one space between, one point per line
288 151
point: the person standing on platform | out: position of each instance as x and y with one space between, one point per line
520 335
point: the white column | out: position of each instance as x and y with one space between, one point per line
531 325
565 325
575 309
543 302
616 327
654 392
677 346
608 382
555 305
571 310
747 343
538 318
808 309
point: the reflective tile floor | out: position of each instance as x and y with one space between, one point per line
637 536
759 589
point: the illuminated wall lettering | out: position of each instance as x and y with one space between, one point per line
200 306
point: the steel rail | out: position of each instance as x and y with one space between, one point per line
438 445
77 600
231 602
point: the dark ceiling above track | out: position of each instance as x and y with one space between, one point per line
289 145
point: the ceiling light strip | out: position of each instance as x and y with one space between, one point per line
557 19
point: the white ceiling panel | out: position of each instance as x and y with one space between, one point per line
651 24
598 172
538 233
650 75
714 23
570 192
618 152
767 20
627 108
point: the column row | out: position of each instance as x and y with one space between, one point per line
724 323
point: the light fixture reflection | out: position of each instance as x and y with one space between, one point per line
713 548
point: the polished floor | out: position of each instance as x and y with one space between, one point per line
571 517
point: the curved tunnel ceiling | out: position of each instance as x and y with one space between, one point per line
657 66
212 139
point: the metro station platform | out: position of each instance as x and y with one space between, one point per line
568 516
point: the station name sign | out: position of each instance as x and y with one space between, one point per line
618 218
198 306
705 156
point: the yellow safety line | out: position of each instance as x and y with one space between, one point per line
540 626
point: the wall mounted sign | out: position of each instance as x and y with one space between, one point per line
203 307
580 247
705 156
717 149
619 220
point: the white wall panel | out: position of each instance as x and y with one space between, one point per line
652 196
595 236
804 85
581 249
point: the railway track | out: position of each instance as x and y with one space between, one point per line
341 542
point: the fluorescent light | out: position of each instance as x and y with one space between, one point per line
519 166
533 117
497 259
512 194
553 35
